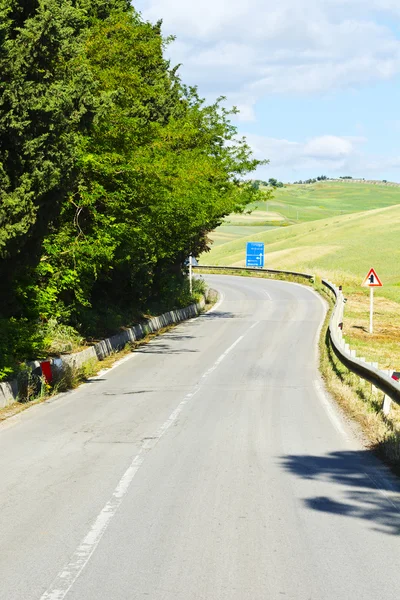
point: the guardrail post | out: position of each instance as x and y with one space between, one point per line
374 390
387 401
387 404
353 375
362 359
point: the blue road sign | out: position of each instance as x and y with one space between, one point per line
255 254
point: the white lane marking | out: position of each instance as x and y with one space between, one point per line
70 573
329 409
267 294
221 358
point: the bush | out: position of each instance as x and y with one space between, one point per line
18 338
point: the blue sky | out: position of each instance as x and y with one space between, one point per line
317 81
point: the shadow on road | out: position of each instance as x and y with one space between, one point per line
221 314
363 493
166 344
162 349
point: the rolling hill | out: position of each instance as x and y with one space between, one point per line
295 204
342 248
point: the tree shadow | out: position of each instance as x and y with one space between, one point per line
366 493
220 314
177 336
154 348
130 393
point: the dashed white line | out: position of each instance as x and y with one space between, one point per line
70 573
221 358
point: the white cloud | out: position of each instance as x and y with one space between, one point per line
325 153
247 50
328 147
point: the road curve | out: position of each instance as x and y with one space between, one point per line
209 466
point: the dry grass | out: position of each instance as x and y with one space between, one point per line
259 215
16 408
258 275
361 402
286 258
383 345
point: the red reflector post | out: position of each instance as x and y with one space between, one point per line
46 371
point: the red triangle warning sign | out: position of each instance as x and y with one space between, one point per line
372 280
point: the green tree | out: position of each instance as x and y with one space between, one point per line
46 96
112 171
47 99
159 171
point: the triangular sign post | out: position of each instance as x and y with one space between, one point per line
372 281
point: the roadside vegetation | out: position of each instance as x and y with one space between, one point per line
33 389
112 172
360 400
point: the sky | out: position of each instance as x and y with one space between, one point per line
316 81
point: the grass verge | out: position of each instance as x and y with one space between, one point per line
360 401
245 273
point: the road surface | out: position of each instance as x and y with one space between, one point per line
209 466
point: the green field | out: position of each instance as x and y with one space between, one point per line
302 203
342 248
295 204
229 233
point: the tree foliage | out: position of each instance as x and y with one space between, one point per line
112 171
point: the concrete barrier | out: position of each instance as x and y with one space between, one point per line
9 389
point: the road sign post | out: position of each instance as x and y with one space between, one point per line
372 281
371 310
255 254
190 275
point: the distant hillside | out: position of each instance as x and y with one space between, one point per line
369 181
342 247
294 204
331 198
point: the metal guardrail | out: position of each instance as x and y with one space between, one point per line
256 270
381 380
370 372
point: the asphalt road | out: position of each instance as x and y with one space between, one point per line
210 465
